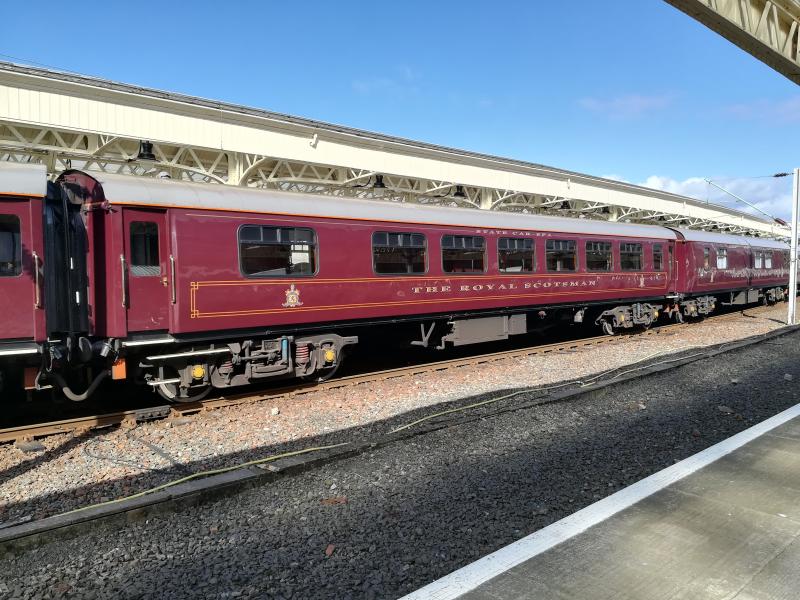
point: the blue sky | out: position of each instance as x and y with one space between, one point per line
628 88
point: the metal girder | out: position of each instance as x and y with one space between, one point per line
767 29
71 121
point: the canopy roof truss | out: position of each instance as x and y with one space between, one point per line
767 29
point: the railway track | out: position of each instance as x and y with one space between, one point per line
129 418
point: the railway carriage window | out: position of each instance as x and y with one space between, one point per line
10 246
277 251
658 257
758 260
463 254
398 253
630 257
706 258
561 255
515 255
598 256
722 258
768 260
144 249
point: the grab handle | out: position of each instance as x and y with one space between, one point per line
172 277
37 282
124 280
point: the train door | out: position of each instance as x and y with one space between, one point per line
145 268
668 263
20 294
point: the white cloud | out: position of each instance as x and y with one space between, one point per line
401 82
773 111
626 106
770 194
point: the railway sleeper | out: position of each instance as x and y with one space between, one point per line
626 317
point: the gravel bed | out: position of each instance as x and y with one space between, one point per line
384 523
75 471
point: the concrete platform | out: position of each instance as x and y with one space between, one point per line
724 523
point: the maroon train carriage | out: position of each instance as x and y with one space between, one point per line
22 319
188 287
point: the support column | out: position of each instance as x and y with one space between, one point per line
792 317
92 142
50 162
235 168
487 197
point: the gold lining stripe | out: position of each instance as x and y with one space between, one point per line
198 314
309 280
24 195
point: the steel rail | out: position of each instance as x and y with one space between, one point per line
129 418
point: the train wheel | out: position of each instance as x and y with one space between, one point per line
325 374
171 392
328 373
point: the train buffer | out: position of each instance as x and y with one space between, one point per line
723 523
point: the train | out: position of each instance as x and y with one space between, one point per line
187 287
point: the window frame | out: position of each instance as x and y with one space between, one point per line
466 273
577 256
641 257
425 248
660 267
722 253
533 255
287 276
768 258
706 258
18 249
610 263
132 265
758 259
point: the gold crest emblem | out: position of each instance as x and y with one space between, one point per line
292 298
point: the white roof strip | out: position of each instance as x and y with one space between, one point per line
23 179
693 235
158 192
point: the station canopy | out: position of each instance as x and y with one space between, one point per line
63 120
